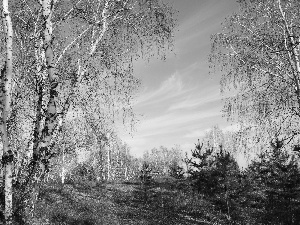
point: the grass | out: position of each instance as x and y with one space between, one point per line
164 201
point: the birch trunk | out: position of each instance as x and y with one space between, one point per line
51 114
294 55
1 167
6 75
49 55
63 169
126 164
126 173
108 163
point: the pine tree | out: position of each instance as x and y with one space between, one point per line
216 176
199 169
228 186
275 182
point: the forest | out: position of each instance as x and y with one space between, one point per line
67 84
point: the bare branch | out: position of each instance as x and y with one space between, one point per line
104 27
66 15
72 43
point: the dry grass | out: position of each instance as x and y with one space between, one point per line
166 202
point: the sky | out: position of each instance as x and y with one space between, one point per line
179 101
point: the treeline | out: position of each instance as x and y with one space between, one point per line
162 160
266 192
113 163
110 162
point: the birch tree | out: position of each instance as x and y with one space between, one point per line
258 55
69 52
6 83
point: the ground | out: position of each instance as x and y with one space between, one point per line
162 202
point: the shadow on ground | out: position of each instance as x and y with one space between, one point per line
119 204
153 204
76 205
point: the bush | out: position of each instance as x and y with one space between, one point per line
82 173
146 176
176 171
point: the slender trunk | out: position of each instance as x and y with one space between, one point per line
1 167
294 51
126 164
6 75
51 114
228 209
108 163
40 60
63 169
126 173
100 162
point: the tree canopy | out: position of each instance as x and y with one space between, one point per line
71 61
258 55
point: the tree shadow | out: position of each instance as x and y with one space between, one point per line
130 203
61 218
69 206
153 204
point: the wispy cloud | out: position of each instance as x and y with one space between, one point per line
197 24
182 109
180 102
201 133
170 88
197 99
173 122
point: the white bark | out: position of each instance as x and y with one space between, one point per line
6 107
51 114
108 156
294 55
63 169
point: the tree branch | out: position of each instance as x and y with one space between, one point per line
72 43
